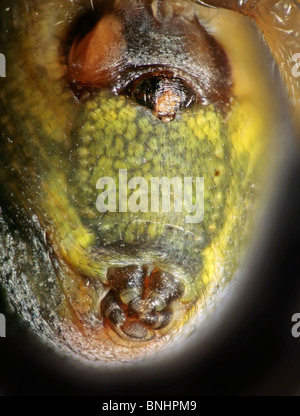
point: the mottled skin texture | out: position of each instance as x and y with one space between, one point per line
55 149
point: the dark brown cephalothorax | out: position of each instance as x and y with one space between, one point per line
180 63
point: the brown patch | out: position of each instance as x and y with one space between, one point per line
166 105
138 306
92 57
137 40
